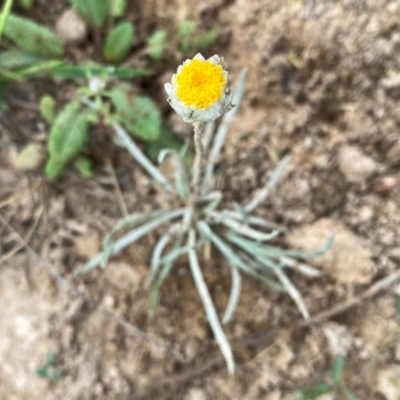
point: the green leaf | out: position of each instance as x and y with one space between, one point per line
119 42
84 167
118 8
317 390
139 114
157 44
337 368
55 374
50 359
186 31
32 37
83 71
41 372
26 3
3 88
68 136
206 39
15 58
4 14
95 11
47 108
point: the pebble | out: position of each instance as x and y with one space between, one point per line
355 166
389 382
71 27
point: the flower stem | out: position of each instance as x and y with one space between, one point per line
199 161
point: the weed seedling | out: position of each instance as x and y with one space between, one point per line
334 385
48 370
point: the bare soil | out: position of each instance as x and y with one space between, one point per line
323 85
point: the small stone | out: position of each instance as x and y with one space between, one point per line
389 382
30 157
195 394
339 338
366 213
355 165
392 85
71 27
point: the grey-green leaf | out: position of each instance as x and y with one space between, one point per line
68 71
32 37
119 42
337 368
68 136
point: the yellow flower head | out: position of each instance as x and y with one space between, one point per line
200 91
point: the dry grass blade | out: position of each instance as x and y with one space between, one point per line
22 243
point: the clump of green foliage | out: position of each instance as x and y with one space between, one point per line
187 38
69 128
333 385
49 369
33 38
40 50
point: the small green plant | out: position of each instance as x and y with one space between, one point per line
157 44
48 370
67 138
33 38
69 132
334 385
39 50
238 235
187 38
190 38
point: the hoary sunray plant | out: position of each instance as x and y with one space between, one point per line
200 93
